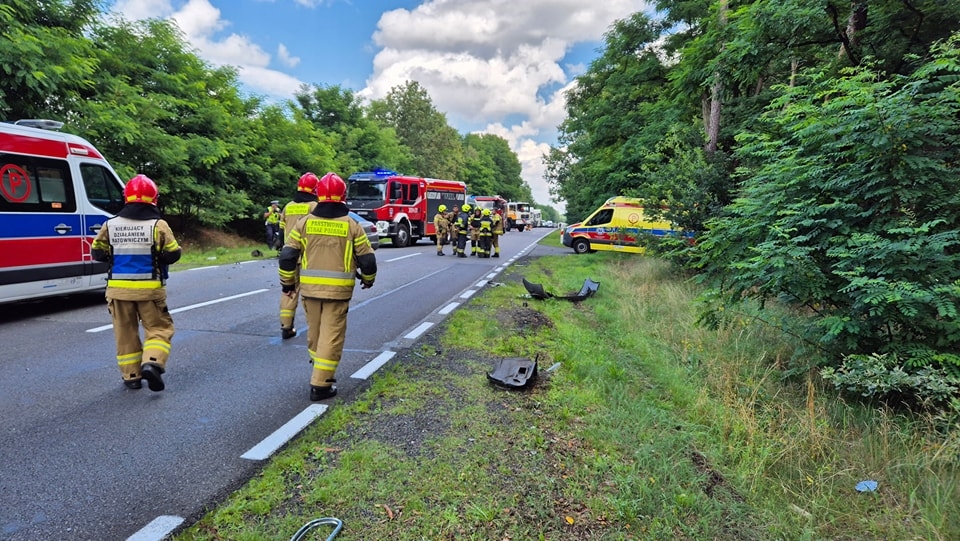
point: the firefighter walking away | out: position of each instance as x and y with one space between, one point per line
139 245
327 251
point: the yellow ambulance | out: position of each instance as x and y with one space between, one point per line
615 226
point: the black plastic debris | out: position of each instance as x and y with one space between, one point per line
537 292
513 372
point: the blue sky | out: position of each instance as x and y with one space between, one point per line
494 66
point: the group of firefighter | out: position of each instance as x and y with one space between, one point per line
481 226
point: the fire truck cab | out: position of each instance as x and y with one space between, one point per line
56 191
402 206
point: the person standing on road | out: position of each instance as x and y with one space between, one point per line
463 228
497 217
452 228
486 233
271 222
304 201
475 230
139 245
441 224
327 250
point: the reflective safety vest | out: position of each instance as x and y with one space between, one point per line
274 217
133 265
486 226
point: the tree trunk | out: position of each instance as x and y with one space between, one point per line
856 22
716 91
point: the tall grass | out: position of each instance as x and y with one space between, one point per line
652 428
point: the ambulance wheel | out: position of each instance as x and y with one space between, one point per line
581 246
402 238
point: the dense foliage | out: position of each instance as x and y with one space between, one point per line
814 148
139 93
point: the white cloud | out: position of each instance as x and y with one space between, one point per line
483 60
201 24
285 57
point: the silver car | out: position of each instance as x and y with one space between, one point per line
369 227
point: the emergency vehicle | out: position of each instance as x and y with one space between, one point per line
402 206
56 191
518 215
493 202
616 226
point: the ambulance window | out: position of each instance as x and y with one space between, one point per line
603 216
32 184
103 189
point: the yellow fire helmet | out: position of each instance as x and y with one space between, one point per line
486 212
442 208
465 207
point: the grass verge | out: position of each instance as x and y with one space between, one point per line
651 428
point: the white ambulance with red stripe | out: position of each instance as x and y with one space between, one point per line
56 191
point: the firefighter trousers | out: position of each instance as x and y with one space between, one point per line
288 304
326 333
127 317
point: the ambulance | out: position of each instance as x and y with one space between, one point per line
616 226
56 192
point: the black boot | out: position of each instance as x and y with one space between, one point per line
133 383
496 254
322 393
288 333
439 252
151 372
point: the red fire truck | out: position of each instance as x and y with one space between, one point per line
403 207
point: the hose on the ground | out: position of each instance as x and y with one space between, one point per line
337 523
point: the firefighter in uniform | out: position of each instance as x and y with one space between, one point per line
303 203
441 224
475 231
139 245
328 250
497 218
463 227
452 229
271 222
486 233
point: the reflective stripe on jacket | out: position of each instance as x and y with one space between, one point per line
327 255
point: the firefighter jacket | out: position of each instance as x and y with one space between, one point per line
475 221
303 203
139 245
441 223
463 222
330 248
497 224
486 226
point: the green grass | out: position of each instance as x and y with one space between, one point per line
651 428
192 258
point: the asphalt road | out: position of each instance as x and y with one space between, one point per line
84 458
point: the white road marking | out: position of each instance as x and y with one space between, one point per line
422 328
491 276
368 369
481 283
404 257
468 293
449 308
158 528
282 435
193 306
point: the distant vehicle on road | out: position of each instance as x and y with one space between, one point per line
369 227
